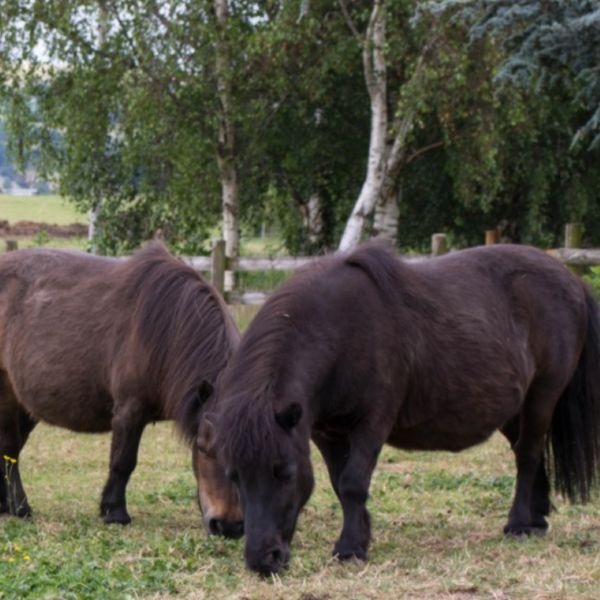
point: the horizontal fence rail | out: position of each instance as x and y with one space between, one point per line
573 257
577 256
218 263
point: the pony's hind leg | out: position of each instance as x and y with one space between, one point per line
15 427
532 503
540 505
127 428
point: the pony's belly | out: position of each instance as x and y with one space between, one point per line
455 430
82 413
433 438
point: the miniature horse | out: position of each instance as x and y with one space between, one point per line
366 349
101 344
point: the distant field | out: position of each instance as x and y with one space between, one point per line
50 209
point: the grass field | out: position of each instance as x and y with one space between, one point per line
49 209
437 521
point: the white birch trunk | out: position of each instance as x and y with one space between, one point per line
226 143
386 219
93 215
94 212
386 157
376 80
314 218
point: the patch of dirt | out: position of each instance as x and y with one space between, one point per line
31 228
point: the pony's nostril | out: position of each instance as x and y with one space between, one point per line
215 526
274 560
234 530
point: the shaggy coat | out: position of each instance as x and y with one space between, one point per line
100 344
366 349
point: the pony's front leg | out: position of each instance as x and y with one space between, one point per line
15 427
12 495
127 429
350 463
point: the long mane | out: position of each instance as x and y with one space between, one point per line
183 326
247 431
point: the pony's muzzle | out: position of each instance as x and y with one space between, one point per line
229 529
269 561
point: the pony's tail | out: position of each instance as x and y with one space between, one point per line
573 443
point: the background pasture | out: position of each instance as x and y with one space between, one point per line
437 521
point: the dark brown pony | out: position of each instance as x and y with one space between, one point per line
366 349
100 344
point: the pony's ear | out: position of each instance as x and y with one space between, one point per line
188 411
204 392
289 417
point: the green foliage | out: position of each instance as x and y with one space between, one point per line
508 160
593 278
549 42
120 109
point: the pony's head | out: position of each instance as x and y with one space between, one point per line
217 495
268 457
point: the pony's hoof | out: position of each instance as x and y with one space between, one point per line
345 553
117 515
23 512
518 532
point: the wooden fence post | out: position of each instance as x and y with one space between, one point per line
491 237
12 245
439 244
573 235
217 270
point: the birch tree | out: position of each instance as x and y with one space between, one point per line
376 81
96 205
389 142
226 146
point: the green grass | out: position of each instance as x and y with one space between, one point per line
51 209
437 522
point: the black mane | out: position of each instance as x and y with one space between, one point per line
184 326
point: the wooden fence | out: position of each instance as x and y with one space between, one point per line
217 263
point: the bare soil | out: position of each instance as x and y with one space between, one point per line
31 228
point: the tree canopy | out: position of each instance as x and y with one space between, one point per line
118 102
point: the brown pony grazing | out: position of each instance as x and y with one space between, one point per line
366 349
100 344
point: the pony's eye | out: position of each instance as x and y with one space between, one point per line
232 476
284 472
202 449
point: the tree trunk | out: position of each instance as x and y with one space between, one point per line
376 80
93 215
226 148
313 221
387 157
387 217
96 208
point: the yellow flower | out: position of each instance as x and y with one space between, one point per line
17 548
26 557
11 559
10 459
